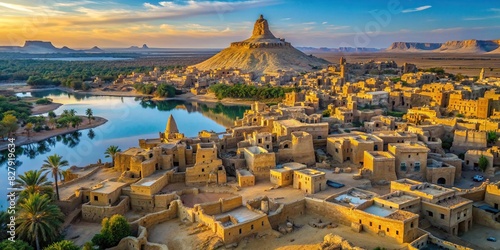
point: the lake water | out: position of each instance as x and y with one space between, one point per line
129 120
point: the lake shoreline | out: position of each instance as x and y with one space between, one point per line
39 109
208 98
21 140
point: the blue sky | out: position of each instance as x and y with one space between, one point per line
214 24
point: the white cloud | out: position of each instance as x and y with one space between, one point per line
309 23
416 9
324 23
73 4
15 7
286 19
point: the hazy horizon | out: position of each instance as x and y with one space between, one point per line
214 24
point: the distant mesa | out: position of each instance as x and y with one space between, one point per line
144 46
465 46
407 47
262 53
95 49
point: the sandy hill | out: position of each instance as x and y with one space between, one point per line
262 53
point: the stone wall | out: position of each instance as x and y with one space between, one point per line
69 205
464 140
286 212
139 242
485 218
83 177
97 213
492 195
402 230
177 178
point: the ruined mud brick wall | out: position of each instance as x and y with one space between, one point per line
97 213
156 218
485 218
84 177
402 230
72 203
303 150
162 201
475 194
239 231
448 173
132 243
229 204
221 206
141 202
287 211
177 177
464 140
492 196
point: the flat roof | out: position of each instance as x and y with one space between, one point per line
398 199
133 151
380 154
454 201
311 172
350 200
256 150
150 180
244 172
294 166
107 187
379 211
241 214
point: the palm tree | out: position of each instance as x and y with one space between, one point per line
72 112
66 174
75 121
38 219
111 152
34 181
90 114
54 164
65 113
28 127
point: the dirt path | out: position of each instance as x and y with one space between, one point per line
40 109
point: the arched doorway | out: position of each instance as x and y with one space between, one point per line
441 181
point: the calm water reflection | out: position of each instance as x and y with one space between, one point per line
129 119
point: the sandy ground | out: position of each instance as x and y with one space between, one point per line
466 64
478 235
306 237
23 139
82 232
40 109
102 174
168 233
189 200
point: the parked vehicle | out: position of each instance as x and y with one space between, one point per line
334 184
492 239
478 178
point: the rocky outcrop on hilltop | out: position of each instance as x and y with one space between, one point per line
262 53
409 46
